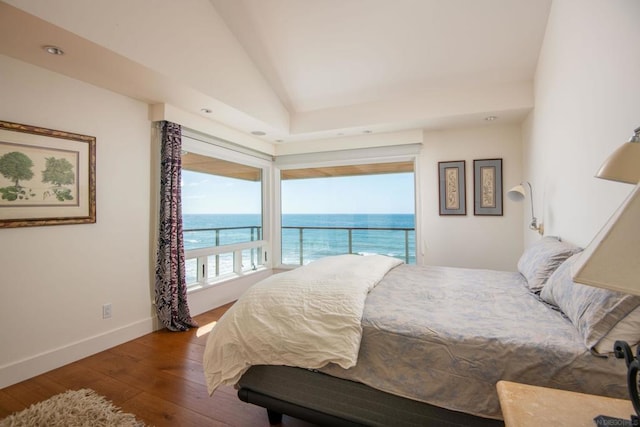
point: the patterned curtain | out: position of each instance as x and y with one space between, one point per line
171 288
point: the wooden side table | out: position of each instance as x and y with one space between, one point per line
531 406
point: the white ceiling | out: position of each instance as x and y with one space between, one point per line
330 53
298 69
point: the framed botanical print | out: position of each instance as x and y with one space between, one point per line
452 188
47 177
487 187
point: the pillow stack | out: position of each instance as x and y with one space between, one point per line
601 316
542 258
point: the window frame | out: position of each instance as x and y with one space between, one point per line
389 154
212 147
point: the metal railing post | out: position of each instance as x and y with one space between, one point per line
350 230
253 251
259 251
217 256
301 245
406 246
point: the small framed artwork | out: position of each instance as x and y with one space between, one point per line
453 199
487 187
47 177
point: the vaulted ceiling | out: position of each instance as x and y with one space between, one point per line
296 69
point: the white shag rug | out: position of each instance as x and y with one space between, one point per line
73 408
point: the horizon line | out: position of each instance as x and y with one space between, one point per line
307 213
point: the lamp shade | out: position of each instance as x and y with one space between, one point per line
612 259
623 164
516 193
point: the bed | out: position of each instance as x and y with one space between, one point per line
352 340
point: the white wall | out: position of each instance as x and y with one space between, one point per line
587 93
493 242
54 280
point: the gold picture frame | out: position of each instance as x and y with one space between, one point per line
47 177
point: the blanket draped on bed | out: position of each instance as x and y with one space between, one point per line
307 317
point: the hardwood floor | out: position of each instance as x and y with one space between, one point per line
157 377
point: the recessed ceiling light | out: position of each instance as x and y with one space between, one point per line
258 133
367 131
206 110
53 50
491 118
279 140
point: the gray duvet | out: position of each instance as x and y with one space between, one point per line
445 336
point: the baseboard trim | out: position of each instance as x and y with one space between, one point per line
29 367
199 302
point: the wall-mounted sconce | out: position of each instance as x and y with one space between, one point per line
517 194
622 165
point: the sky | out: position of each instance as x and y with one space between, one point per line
384 193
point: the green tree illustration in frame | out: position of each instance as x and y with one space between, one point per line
47 177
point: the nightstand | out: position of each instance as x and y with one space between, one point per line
526 405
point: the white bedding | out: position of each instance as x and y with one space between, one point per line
308 317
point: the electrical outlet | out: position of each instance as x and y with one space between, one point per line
106 311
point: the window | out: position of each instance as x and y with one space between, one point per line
357 208
222 212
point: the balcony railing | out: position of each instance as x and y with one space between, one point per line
350 230
255 235
216 254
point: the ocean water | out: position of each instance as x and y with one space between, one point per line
316 243
227 222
